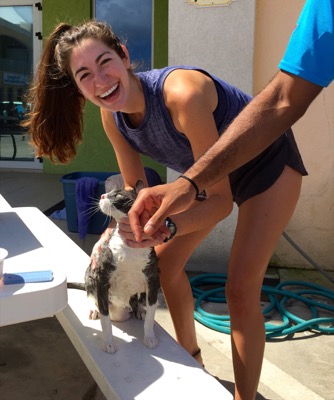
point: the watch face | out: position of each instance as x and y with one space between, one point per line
171 226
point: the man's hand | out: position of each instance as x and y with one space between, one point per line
153 205
147 241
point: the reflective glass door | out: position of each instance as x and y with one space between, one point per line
17 58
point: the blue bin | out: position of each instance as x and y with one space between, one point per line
99 221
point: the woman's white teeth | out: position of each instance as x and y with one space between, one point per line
108 92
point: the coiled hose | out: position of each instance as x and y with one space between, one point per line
278 297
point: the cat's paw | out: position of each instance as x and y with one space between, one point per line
151 342
109 347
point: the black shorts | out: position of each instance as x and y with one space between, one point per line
259 174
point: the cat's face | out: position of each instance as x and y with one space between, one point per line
118 202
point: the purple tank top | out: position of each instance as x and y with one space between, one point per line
157 136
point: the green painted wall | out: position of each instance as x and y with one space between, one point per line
96 153
160 43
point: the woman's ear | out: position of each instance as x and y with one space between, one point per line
126 60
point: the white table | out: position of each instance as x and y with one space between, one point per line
134 372
28 252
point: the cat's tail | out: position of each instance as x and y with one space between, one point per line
76 285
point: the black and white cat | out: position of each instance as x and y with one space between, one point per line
124 278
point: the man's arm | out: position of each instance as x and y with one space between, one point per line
265 118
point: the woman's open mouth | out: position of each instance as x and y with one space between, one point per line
110 92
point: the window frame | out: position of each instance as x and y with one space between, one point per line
37 51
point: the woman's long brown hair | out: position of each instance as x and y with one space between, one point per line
55 121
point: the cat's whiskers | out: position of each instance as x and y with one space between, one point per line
93 209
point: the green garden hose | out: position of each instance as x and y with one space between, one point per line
278 298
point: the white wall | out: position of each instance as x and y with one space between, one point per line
220 40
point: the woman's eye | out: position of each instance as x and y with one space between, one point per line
84 76
105 61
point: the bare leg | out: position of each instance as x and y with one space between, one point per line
176 287
261 221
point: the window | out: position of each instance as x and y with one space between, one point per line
20 49
131 21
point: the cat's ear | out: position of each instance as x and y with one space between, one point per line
139 185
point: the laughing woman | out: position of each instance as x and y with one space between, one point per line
174 115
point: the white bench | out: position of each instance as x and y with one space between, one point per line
134 371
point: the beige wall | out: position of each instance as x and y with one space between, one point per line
312 226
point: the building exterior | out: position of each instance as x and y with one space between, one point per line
241 42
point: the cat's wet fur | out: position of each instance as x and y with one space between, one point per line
124 279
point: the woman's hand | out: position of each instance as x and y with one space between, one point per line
147 241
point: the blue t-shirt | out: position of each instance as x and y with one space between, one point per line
310 52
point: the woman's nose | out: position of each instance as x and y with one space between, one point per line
100 78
